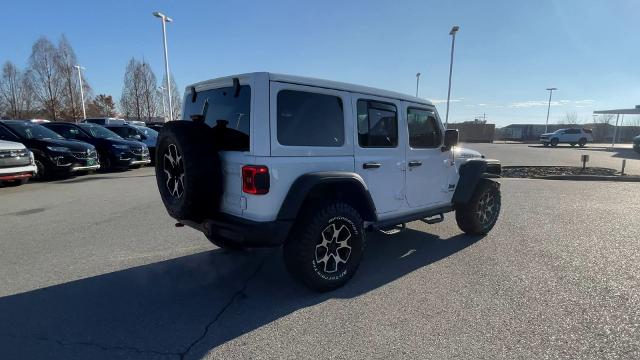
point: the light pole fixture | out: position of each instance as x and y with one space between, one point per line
164 106
80 68
453 32
550 90
165 19
417 83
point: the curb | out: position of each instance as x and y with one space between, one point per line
625 178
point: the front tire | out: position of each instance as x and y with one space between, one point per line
480 214
582 142
325 246
554 142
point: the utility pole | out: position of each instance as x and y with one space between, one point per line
80 68
165 19
546 126
453 32
417 83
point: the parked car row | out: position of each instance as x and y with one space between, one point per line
48 149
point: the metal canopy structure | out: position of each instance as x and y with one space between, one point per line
618 112
634 111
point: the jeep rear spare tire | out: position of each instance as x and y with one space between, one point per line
188 170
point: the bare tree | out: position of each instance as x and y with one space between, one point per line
102 105
633 120
176 98
149 90
71 99
139 94
45 78
570 118
130 101
15 92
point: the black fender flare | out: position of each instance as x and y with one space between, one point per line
306 183
470 174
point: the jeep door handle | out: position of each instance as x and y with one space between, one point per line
371 165
415 163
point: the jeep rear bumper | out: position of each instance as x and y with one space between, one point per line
244 232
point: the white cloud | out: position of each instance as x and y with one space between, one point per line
482 104
444 101
584 102
533 103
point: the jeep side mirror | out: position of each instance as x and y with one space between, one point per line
450 139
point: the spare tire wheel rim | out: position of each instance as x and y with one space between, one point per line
174 169
333 250
487 208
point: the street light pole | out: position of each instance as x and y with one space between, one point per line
165 19
546 126
453 32
417 83
80 68
164 107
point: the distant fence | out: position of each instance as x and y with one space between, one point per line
475 132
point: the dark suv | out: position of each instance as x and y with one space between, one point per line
54 155
139 133
114 151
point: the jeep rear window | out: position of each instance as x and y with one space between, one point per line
223 110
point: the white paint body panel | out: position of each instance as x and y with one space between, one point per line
394 189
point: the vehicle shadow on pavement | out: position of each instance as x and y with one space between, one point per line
189 305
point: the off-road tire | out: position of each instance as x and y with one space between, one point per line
471 216
188 170
304 250
582 142
554 142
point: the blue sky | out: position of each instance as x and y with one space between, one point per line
507 52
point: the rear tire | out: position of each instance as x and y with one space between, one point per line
188 170
582 142
480 214
325 246
43 171
554 142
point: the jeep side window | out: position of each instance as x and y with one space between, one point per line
377 124
424 131
310 119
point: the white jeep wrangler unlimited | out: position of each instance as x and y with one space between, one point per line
309 164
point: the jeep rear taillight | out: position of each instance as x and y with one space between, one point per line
255 179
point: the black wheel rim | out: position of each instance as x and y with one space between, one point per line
488 208
333 250
173 167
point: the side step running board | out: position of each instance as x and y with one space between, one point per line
394 230
434 219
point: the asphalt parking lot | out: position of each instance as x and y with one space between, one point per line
93 268
600 155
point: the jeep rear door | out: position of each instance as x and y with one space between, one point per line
379 150
428 167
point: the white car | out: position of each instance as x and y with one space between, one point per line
17 164
572 137
310 164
